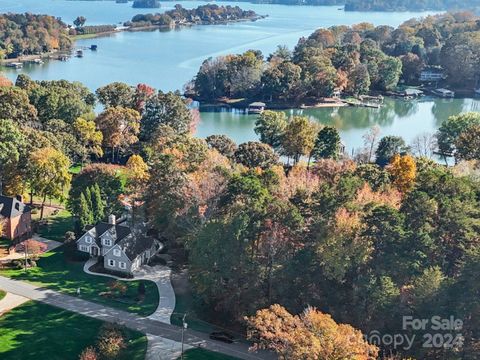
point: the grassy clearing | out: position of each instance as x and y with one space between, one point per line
57 225
201 354
42 332
55 272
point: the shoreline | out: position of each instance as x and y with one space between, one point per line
74 38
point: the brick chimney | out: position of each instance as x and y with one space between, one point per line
112 219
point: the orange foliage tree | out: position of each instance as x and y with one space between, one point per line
309 336
403 171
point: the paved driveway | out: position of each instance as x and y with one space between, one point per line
160 275
133 321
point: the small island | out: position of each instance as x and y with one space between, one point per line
146 4
210 14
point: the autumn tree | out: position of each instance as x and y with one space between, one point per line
120 127
12 147
89 353
16 106
255 154
223 144
270 125
110 341
311 335
49 175
116 94
468 144
299 137
403 171
165 109
90 138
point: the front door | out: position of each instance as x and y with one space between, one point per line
94 250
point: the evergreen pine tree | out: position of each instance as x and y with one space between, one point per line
85 216
98 207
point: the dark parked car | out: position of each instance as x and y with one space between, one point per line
222 336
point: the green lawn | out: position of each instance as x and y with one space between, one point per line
55 273
2 294
42 332
57 225
201 354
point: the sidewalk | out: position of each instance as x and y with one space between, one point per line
11 301
130 320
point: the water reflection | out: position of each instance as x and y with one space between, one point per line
396 117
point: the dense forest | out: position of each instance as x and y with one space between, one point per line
383 5
204 14
24 34
355 60
410 5
370 239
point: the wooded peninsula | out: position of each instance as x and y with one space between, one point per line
203 15
355 60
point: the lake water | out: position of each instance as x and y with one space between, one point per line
167 60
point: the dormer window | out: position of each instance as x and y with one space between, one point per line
117 252
88 239
107 242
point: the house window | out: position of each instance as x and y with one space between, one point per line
83 248
88 240
117 252
107 242
122 265
111 262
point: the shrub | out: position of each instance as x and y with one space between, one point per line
118 287
110 341
89 354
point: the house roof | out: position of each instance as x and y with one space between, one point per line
12 207
117 231
131 244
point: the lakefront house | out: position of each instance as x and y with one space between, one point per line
16 218
122 249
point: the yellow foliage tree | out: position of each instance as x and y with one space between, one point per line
403 171
137 169
309 336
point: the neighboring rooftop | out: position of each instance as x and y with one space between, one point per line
12 207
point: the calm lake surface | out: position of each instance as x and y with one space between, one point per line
167 60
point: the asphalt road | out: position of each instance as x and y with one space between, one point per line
132 321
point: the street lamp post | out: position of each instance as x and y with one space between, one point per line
184 327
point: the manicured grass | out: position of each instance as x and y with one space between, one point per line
42 332
201 354
56 226
56 273
2 294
